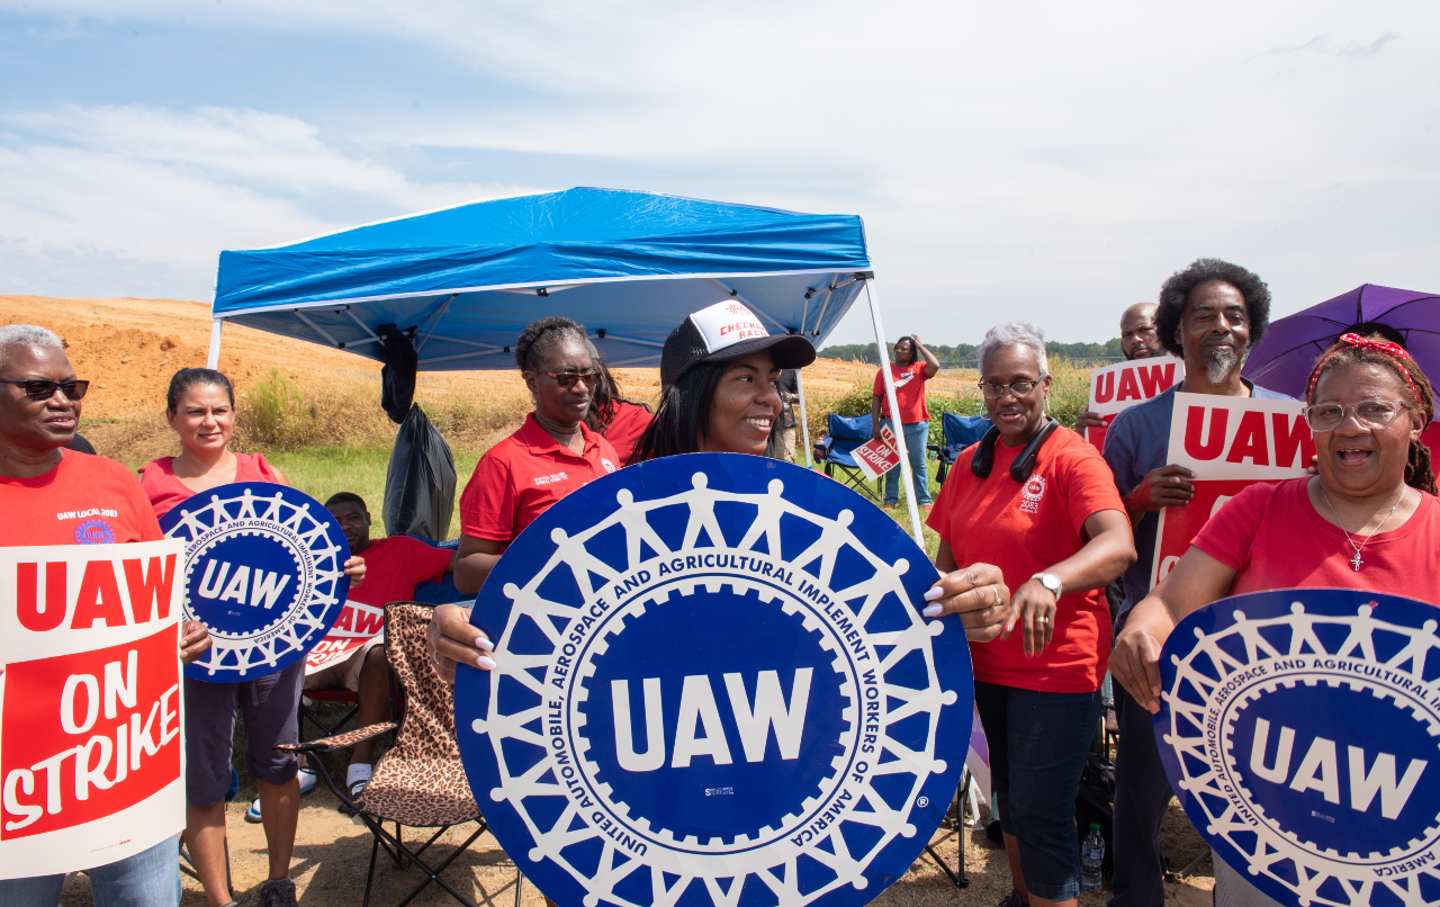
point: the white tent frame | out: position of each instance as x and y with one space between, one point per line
872 301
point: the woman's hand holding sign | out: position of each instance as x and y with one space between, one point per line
453 639
977 593
194 640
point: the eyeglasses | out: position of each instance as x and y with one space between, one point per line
567 379
996 389
37 389
1369 413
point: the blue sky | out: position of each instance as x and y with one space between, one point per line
1052 163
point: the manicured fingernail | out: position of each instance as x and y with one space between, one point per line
933 593
485 662
485 644
932 610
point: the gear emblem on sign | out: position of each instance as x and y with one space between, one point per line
264 571
1301 729
714 685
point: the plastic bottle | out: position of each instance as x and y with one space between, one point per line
1092 858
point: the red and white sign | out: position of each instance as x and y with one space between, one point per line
357 624
1116 388
91 753
878 455
1229 443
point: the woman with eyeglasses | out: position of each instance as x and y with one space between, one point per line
1037 502
1368 519
51 495
200 407
553 453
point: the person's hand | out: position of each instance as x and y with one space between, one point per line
978 594
1135 665
454 639
915 339
1163 486
1032 608
1088 419
355 569
874 430
194 640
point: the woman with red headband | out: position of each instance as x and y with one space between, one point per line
1369 519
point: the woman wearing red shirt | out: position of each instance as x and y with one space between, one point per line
1368 520
912 366
1038 502
200 406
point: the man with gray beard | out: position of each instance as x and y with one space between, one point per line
1209 314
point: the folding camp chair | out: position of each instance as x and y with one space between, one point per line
845 433
419 781
959 432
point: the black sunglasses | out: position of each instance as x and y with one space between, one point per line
37 389
567 379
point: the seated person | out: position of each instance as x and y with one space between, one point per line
396 565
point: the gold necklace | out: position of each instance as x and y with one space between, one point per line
1357 562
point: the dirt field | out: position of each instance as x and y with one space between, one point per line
130 347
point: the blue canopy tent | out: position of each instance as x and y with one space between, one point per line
627 265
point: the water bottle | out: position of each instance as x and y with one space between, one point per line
1092 858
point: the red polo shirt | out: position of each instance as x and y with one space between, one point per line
626 427
519 478
909 392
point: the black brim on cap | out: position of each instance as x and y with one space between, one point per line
786 350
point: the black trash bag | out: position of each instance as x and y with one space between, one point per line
397 377
420 483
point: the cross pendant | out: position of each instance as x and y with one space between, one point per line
1356 562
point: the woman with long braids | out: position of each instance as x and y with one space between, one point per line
1368 520
550 455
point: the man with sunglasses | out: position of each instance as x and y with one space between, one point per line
1209 314
50 495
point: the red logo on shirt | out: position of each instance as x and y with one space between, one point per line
1031 493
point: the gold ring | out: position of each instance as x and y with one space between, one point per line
996 590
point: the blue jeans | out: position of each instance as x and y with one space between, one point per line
917 435
1038 746
147 879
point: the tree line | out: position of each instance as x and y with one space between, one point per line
962 355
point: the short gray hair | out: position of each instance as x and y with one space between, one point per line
28 335
1015 333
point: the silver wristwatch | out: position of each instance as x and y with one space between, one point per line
1050 581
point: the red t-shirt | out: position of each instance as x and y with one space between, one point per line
1272 536
86 500
909 392
166 491
395 565
1023 530
519 478
625 429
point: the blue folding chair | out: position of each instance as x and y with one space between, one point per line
959 433
837 451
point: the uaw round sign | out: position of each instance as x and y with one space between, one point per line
264 572
714 685
1301 730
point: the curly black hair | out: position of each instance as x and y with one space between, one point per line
1176 292
540 335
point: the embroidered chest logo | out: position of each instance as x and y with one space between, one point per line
1031 493
609 467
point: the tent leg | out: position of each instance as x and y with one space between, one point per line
804 421
906 476
213 360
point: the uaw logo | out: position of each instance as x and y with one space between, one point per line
714 685
264 572
1301 730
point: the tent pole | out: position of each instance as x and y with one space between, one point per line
906 476
804 420
213 360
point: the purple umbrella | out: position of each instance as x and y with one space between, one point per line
1281 361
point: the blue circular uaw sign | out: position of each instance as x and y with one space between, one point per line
264 572
714 685
1301 730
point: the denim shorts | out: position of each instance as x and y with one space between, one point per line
270 707
1038 746
150 877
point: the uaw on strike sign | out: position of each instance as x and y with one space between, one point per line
1301 730
1229 443
1116 388
714 686
90 704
